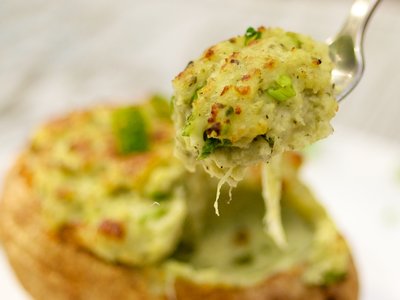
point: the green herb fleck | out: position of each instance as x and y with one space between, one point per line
229 111
211 144
195 95
282 88
333 277
251 34
295 39
225 129
161 106
243 259
270 140
157 213
186 127
130 130
160 195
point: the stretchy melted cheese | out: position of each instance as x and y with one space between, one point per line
234 249
250 98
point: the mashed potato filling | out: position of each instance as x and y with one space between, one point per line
249 99
108 177
252 97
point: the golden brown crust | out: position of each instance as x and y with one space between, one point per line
50 268
53 268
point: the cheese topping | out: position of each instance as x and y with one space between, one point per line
250 98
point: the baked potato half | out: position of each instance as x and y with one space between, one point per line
76 248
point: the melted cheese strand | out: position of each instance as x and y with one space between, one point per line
271 192
230 194
221 182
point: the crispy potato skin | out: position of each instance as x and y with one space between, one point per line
54 268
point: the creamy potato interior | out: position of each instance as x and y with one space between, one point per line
252 97
108 176
233 248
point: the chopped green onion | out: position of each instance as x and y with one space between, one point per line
159 195
281 94
211 144
251 34
282 88
185 130
269 140
295 39
161 106
130 130
195 95
229 111
284 81
157 213
332 277
186 127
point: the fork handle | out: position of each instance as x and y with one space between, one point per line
354 26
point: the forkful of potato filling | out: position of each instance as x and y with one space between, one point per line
248 100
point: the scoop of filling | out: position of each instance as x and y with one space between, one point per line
252 97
